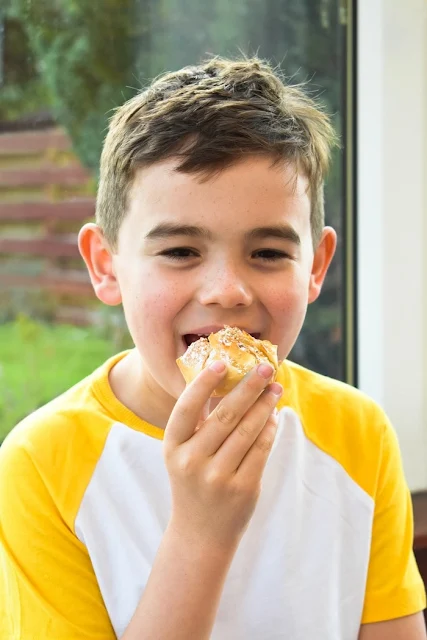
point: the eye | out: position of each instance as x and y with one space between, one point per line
179 253
270 255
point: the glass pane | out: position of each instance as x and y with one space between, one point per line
67 64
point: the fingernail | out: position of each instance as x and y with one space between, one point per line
217 366
276 388
265 370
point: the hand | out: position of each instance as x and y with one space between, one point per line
215 462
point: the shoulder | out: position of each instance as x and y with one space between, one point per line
338 419
56 447
308 390
63 420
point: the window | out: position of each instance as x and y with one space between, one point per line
66 64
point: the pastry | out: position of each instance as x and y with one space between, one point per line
240 351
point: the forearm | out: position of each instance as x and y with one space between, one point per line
182 595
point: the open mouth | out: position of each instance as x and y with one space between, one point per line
189 338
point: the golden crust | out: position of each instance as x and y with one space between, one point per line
238 349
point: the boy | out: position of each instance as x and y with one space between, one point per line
134 507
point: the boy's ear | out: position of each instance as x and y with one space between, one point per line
99 261
322 259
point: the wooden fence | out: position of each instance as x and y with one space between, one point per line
45 196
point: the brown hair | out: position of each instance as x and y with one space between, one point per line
209 116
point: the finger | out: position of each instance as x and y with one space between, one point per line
189 407
231 409
230 455
252 466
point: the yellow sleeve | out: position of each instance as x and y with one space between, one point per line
394 585
48 589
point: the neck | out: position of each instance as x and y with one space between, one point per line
134 387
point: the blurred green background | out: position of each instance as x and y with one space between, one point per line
39 361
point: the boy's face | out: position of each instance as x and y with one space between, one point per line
194 256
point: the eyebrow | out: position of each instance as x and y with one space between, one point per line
166 230
281 231
170 229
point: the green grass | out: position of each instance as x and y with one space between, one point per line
38 362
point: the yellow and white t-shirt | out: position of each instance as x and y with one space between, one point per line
85 499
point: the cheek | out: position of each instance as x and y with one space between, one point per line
286 298
287 306
151 302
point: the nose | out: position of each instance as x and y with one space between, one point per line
225 286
